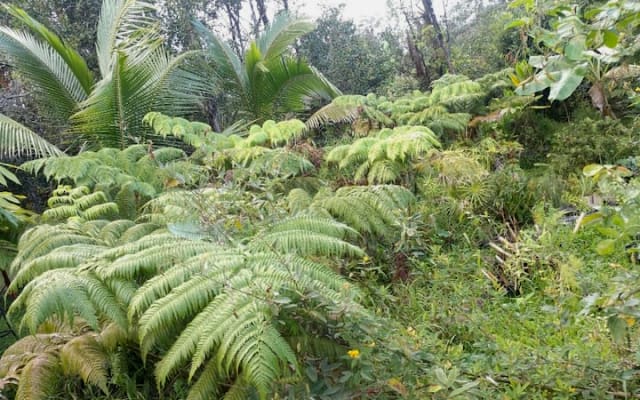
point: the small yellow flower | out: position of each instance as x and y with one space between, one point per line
637 90
630 321
366 259
411 332
354 353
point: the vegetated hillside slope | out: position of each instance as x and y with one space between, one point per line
476 238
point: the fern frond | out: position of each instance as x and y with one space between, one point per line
456 93
305 243
280 164
383 171
40 378
59 292
43 239
338 153
208 384
367 209
298 200
84 356
61 257
333 113
226 308
154 259
410 142
161 285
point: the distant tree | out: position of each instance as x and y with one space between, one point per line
177 20
479 42
427 42
357 61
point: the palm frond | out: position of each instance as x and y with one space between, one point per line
41 64
114 112
17 140
281 34
73 60
121 24
229 68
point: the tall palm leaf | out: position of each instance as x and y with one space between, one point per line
113 113
44 65
18 140
74 61
120 21
137 75
268 81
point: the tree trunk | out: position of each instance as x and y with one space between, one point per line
418 61
429 18
285 5
262 12
422 72
233 12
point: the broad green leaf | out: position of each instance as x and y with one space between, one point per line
567 82
591 218
537 61
606 247
465 388
592 170
534 85
610 39
618 328
517 23
574 49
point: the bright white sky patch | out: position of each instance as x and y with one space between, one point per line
359 10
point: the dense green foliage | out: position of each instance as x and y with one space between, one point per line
477 238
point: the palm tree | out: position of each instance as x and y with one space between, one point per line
136 76
267 81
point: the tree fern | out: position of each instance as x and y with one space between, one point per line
447 108
457 93
191 277
369 210
237 318
117 182
383 157
80 204
38 364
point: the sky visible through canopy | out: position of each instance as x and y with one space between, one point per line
359 10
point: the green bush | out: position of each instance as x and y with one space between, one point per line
589 141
